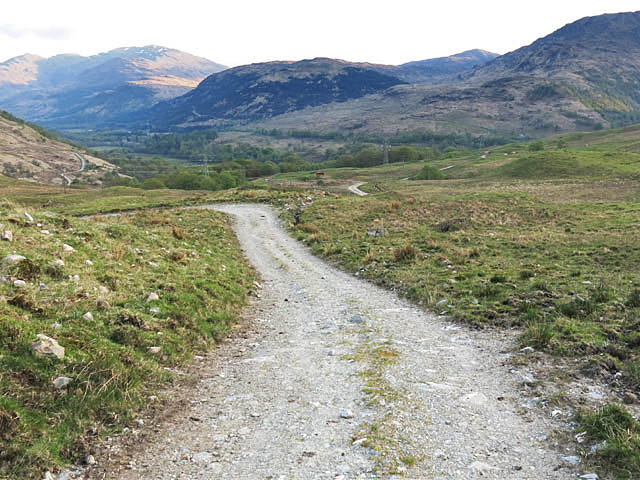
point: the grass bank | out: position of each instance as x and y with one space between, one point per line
158 287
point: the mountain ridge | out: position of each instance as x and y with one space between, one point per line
46 90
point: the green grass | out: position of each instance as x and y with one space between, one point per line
617 434
189 257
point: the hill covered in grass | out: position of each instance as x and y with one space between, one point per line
29 152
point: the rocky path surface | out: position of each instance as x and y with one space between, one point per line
339 379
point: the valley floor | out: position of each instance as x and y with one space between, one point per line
339 379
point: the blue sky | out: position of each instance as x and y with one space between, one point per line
243 31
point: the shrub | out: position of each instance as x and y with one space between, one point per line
536 146
429 172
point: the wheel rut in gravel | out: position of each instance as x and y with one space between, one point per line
340 379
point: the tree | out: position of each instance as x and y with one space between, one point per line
227 180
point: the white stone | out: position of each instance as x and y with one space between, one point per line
61 382
28 217
57 263
88 262
13 258
68 248
47 347
19 283
7 236
154 350
88 316
152 297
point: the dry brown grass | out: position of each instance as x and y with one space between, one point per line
308 228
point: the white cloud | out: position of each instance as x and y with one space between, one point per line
49 33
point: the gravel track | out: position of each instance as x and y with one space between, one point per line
290 402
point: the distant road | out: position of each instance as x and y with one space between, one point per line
82 165
355 190
81 158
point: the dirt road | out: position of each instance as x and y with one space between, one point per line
339 379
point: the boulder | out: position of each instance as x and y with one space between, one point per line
13 258
47 347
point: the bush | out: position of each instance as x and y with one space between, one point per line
536 146
429 172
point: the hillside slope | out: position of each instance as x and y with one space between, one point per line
259 91
71 90
32 155
585 76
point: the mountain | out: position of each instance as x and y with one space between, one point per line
437 69
76 91
585 76
28 152
598 57
264 90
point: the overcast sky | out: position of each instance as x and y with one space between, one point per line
236 32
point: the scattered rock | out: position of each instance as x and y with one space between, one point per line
103 290
90 460
57 263
153 264
45 232
154 350
475 399
28 217
630 398
527 350
68 248
14 258
61 382
74 278
598 446
19 283
152 297
201 457
356 319
154 310
43 286
589 476
102 304
88 316
7 236
47 347
244 431
571 460
56 325
3 279
346 414
48 476
442 302
88 262
481 467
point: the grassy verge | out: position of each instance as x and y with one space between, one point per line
116 358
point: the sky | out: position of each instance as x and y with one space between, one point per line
237 32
